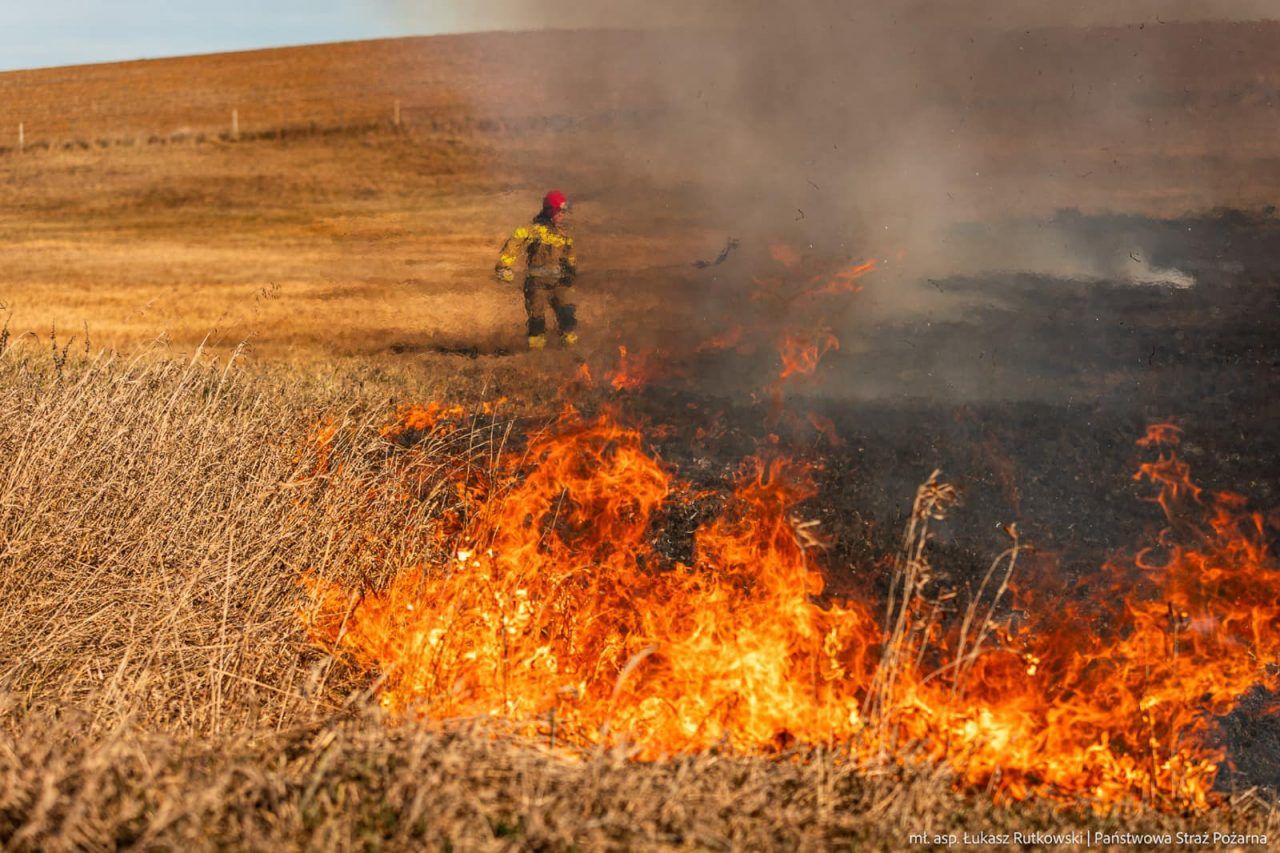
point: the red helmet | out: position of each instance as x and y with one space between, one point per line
555 201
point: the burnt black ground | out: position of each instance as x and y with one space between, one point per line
1102 359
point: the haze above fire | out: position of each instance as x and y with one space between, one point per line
871 129
518 14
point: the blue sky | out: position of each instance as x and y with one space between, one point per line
38 33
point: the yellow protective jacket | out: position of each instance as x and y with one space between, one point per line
547 250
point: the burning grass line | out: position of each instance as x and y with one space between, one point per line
211 532
560 600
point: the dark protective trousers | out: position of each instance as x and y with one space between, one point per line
540 293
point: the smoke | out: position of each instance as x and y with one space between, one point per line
485 15
873 127
853 129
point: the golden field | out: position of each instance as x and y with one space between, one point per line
184 311
326 232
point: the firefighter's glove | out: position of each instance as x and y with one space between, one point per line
506 276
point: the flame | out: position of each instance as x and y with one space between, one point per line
844 281
636 370
415 420
826 428
782 290
802 351
319 444
557 603
1161 435
554 611
1190 634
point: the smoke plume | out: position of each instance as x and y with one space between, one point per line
875 126
939 139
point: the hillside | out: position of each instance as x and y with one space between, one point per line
450 82
132 209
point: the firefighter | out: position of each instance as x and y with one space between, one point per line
549 270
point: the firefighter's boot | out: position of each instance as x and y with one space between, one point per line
537 341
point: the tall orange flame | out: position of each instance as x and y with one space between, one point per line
557 601
557 611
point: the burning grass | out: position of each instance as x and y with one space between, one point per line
155 518
553 611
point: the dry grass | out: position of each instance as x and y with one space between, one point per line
488 83
155 514
358 784
375 246
372 248
147 536
155 517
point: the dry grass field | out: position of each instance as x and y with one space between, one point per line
159 688
184 312
359 247
326 233
348 238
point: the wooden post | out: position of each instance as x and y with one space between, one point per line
22 137
397 112
235 124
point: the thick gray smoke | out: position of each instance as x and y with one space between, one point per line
938 138
873 127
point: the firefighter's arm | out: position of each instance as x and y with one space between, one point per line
505 268
568 263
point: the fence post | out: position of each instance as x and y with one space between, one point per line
22 137
235 124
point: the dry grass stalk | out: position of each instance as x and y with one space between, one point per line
154 519
155 689
356 782
906 634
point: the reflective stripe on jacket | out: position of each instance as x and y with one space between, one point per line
547 250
